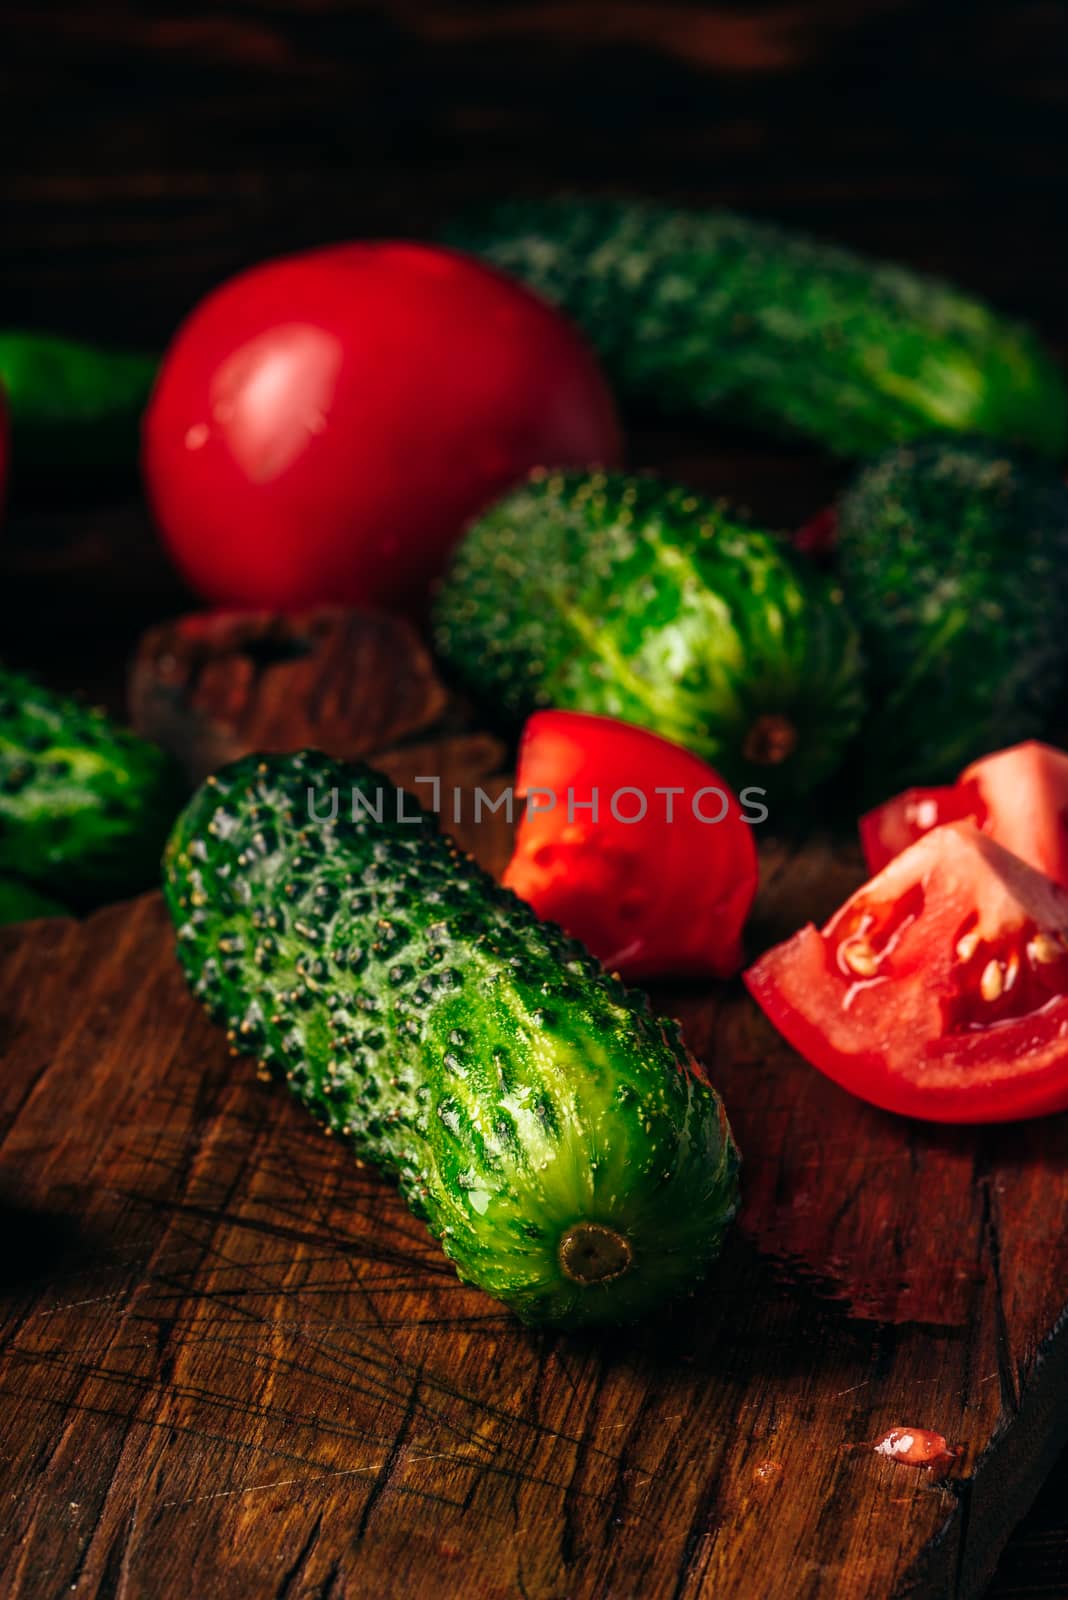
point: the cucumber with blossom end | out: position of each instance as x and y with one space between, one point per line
706 313
557 1137
633 598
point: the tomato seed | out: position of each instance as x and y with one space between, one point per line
992 982
860 958
1044 950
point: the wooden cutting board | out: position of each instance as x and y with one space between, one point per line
233 1366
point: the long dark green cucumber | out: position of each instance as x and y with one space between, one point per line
638 600
954 558
73 404
712 314
85 806
558 1138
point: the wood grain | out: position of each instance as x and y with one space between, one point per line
210 687
231 1363
146 153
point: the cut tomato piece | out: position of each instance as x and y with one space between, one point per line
939 990
892 827
634 846
1018 796
1022 798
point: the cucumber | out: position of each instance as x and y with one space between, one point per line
558 1139
954 558
73 404
628 597
20 903
712 314
85 806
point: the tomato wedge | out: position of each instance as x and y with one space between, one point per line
893 826
634 846
1018 796
939 990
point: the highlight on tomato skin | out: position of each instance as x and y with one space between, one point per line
1018 796
939 990
324 425
663 894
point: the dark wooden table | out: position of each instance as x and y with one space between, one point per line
149 150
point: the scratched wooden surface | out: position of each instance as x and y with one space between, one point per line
232 1364
147 151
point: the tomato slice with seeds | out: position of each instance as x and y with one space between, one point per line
663 894
1018 796
939 990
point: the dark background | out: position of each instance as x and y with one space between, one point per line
147 151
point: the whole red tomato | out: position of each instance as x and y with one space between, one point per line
324 425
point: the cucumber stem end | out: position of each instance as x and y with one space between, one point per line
591 1253
770 741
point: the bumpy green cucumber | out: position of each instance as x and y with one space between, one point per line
73 404
954 557
20 903
556 1137
708 313
638 600
84 806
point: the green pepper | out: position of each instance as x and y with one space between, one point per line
72 404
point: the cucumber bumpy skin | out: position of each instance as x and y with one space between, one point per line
558 1138
954 558
85 806
639 600
712 314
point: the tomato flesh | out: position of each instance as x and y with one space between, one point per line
1018 796
939 990
1023 793
892 827
323 426
665 894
